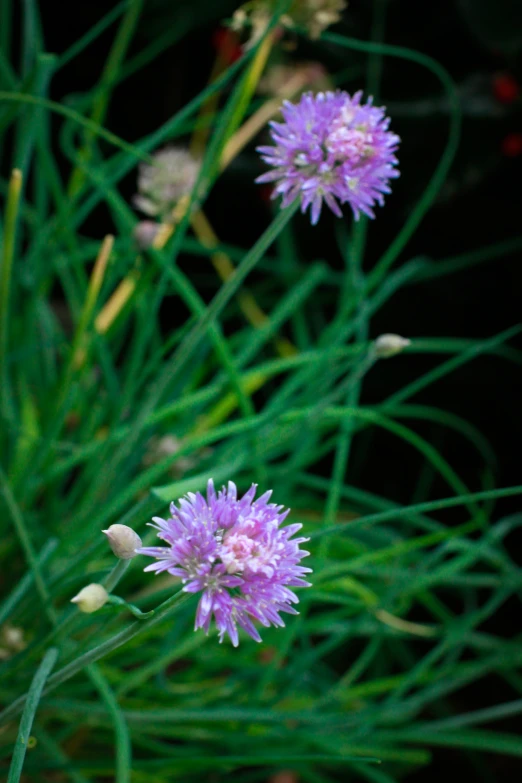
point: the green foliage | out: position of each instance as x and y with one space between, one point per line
365 681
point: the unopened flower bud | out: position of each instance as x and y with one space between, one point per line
91 598
123 541
389 345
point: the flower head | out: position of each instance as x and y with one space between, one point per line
332 148
234 551
162 184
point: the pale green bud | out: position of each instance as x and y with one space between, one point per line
91 598
388 345
123 541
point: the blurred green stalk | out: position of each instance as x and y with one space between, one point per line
107 82
9 238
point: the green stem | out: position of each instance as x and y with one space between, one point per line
65 628
29 123
9 239
233 114
419 508
374 66
116 574
8 77
353 290
123 744
449 366
66 625
23 586
215 333
344 441
115 600
71 114
75 666
6 27
53 749
107 81
25 541
197 333
31 705
121 730
447 157
455 264
32 36
121 165
91 35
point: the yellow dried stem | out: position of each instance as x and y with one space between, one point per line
116 303
403 625
93 290
264 114
200 224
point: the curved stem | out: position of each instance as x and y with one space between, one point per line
424 508
31 702
121 730
27 545
112 579
115 600
75 666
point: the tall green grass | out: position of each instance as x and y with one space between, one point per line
365 683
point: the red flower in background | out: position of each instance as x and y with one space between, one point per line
265 191
226 43
512 145
505 88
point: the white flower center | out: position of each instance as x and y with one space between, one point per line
349 143
242 550
237 550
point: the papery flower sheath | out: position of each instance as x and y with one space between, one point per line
237 553
331 148
163 183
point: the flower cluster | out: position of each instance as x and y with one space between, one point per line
162 184
312 15
332 148
235 551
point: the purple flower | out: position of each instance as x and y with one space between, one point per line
234 551
332 148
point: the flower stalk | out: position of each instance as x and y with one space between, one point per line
172 604
8 246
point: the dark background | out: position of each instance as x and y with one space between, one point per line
479 42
